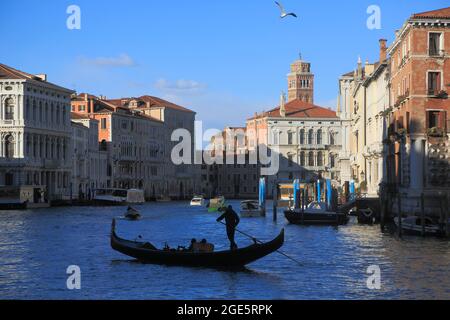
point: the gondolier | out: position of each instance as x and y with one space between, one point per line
231 220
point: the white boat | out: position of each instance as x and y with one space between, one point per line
198 201
413 225
251 209
111 195
132 196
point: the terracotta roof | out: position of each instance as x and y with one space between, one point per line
79 116
153 101
439 13
7 72
349 74
300 109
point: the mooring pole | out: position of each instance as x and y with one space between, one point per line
382 207
422 212
275 202
399 214
447 231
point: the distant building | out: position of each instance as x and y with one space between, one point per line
363 101
233 175
307 137
135 144
90 164
301 82
181 181
35 133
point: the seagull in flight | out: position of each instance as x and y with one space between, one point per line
283 12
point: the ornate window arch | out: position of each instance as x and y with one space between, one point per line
302 158
319 138
9 146
311 159
319 159
302 136
311 136
9 109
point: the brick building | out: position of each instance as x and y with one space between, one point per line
418 157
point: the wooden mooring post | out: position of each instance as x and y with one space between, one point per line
422 212
399 214
275 202
446 208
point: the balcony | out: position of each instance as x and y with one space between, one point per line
437 94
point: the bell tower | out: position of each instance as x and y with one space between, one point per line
301 82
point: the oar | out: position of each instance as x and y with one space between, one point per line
261 242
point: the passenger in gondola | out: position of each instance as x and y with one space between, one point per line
231 220
193 245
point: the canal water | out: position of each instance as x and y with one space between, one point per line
36 247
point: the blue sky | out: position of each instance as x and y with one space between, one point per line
224 59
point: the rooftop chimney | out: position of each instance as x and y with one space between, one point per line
282 105
383 50
42 76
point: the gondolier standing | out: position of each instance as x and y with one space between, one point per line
232 220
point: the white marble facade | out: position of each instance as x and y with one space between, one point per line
35 133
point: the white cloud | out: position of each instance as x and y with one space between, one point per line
123 60
180 86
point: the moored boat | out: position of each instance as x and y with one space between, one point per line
197 201
251 209
315 213
148 253
413 225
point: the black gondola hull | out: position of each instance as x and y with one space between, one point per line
223 259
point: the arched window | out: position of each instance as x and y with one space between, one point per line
319 136
311 136
34 110
9 146
332 138
332 161
319 159
276 136
302 136
311 159
302 159
290 138
9 109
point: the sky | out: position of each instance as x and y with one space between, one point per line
224 59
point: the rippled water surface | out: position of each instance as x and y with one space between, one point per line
37 246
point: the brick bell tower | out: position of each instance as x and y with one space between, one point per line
301 82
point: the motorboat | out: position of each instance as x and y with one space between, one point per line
197 201
315 213
251 209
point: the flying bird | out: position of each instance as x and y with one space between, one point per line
283 12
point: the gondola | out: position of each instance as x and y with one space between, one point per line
147 253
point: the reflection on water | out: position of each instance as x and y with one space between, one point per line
37 246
